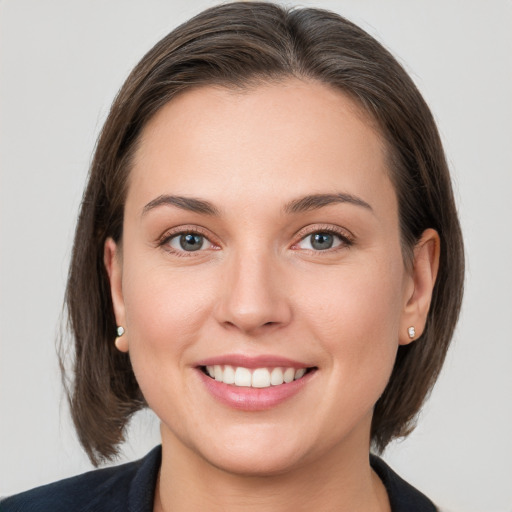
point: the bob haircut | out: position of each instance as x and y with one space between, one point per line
241 45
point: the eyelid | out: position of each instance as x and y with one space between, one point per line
163 240
346 236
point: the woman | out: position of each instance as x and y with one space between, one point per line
268 256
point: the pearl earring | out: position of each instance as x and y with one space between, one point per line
121 344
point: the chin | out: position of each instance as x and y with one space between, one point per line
254 463
260 451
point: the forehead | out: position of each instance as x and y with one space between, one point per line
285 138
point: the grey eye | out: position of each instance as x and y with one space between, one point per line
187 242
191 242
321 241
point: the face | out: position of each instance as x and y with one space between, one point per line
260 278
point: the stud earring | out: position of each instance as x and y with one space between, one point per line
120 343
412 332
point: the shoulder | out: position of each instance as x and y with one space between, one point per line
128 487
402 496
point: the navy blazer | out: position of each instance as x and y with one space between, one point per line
131 488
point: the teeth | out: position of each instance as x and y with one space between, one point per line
289 375
228 375
243 377
257 378
261 378
300 373
276 377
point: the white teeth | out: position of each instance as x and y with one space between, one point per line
229 375
261 378
276 377
257 378
289 375
243 377
300 373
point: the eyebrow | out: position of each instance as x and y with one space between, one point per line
303 204
185 203
316 201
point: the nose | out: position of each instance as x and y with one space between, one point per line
254 296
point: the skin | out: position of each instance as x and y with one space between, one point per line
258 287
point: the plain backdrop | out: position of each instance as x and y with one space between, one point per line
62 61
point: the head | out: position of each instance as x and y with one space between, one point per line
241 48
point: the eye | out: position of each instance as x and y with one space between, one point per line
322 241
189 242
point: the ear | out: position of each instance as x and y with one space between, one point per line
113 263
422 281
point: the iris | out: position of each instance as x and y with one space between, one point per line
321 241
191 242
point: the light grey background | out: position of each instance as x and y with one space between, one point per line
61 63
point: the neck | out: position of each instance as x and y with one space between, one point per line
340 482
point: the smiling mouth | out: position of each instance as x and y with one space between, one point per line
254 378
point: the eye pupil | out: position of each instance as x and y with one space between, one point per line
322 241
191 242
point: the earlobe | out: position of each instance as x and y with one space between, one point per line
120 342
424 274
113 265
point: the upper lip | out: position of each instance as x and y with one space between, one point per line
259 361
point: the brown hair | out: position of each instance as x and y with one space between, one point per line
236 45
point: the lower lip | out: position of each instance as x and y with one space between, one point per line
253 399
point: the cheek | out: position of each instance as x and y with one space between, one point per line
165 313
357 322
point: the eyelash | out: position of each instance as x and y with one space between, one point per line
182 230
346 239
